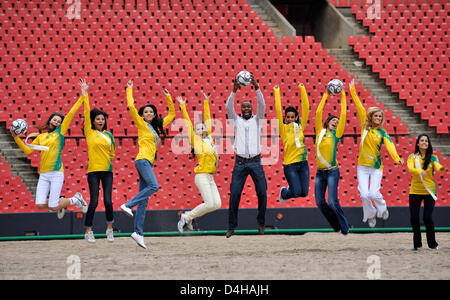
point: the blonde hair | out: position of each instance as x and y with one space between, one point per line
369 114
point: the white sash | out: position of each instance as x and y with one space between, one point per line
35 147
322 133
362 144
421 177
105 138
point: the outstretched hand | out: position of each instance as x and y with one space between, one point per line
206 97
84 86
181 100
166 92
130 83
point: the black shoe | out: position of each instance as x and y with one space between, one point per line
261 229
230 232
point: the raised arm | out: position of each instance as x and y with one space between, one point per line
230 102
305 105
87 116
187 120
343 117
169 118
319 111
207 112
276 91
138 120
68 118
261 103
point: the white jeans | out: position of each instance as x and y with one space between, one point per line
49 182
210 194
371 192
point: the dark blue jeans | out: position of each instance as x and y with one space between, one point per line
297 176
240 173
332 210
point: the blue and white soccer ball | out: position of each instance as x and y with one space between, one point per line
19 126
244 78
335 86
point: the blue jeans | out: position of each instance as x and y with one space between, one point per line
297 176
332 210
240 173
148 185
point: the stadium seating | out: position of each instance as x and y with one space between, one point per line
409 49
185 46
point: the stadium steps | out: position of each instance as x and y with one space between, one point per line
267 18
18 161
362 73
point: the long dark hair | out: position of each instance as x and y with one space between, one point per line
156 123
428 153
295 111
46 125
94 113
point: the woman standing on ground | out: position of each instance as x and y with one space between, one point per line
422 165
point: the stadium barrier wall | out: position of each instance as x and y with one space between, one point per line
158 221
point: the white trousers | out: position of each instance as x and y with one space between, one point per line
49 182
369 184
210 194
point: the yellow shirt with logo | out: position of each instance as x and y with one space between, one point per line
206 154
375 138
146 138
101 145
292 154
51 160
417 187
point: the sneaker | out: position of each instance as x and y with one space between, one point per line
89 236
435 248
385 215
189 225
110 235
281 199
60 213
181 223
80 203
139 239
126 210
230 232
372 222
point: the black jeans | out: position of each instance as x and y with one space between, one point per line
94 179
415 202
242 169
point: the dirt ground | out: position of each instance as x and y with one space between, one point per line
241 257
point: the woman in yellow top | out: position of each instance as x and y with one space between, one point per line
101 152
370 166
150 129
51 177
422 165
295 164
205 149
327 176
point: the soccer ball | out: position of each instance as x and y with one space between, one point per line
19 126
244 78
335 86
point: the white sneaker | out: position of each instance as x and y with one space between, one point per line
80 203
89 236
60 213
189 225
126 210
282 200
385 215
110 235
372 222
139 239
181 223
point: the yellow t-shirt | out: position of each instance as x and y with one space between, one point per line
206 154
373 141
101 145
329 143
146 139
292 153
417 186
51 160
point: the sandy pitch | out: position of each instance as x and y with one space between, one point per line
273 257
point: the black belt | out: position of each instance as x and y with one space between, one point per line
243 159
